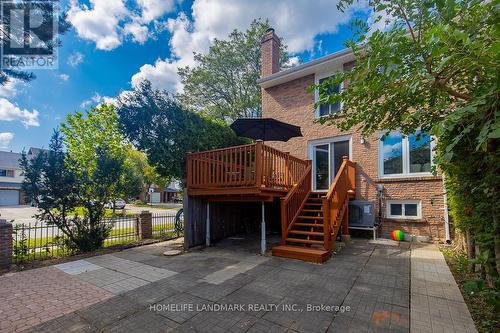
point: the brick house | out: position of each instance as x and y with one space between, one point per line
394 174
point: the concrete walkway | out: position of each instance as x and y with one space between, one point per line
366 287
437 304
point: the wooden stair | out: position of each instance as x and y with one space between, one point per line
305 239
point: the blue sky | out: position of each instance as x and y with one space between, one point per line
149 39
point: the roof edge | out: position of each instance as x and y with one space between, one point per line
267 81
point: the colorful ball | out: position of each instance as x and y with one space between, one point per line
397 235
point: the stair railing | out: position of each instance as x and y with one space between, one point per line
294 201
335 203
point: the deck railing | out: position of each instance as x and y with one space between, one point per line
253 165
294 201
335 203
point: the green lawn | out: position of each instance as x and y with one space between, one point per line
108 213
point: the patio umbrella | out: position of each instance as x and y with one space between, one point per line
266 129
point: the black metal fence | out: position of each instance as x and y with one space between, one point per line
42 241
163 225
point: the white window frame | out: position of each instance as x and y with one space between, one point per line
7 173
402 203
328 141
318 77
406 159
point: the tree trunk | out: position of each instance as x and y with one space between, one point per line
471 253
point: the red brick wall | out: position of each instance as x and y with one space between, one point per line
289 102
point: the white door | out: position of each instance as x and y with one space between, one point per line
9 197
326 157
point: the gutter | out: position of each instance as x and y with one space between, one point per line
303 67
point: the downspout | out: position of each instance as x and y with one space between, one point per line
446 217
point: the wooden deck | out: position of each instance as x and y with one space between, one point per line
310 222
253 172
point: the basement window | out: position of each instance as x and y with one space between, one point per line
404 209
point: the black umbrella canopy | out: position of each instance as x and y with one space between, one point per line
267 129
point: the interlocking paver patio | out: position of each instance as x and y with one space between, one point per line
35 296
366 287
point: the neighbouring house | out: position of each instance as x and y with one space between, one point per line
167 194
11 177
307 189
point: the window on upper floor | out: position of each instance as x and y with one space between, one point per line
401 155
6 173
404 209
327 109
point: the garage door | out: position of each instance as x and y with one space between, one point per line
9 197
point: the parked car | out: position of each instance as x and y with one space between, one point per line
118 204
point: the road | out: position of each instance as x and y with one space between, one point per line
24 214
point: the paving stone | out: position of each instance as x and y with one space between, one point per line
253 301
150 293
77 267
179 307
125 285
221 322
229 272
69 323
105 313
35 296
143 321
212 292
293 315
102 277
264 326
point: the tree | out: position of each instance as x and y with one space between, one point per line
223 82
157 124
58 190
435 67
142 175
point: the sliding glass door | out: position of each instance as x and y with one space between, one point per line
327 156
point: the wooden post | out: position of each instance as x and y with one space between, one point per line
283 222
258 163
207 226
345 220
326 224
287 170
263 231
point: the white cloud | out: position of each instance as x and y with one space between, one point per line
100 22
5 139
10 88
139 32
153 9
64 77
108 22
75 59
11 112
298 22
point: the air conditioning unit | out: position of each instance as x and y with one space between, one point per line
361 214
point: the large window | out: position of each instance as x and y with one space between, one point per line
6 173
326 109
404 209
401 155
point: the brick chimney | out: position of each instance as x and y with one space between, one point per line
270 53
